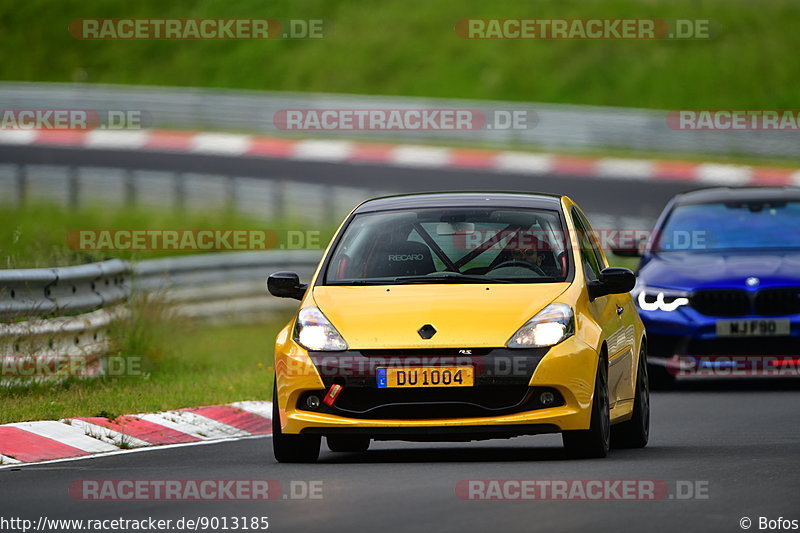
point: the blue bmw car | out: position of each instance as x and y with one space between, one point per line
718 285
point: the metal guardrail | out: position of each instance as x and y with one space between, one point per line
67 290
220 287
223 287
257 198
223 267
558 126
38 349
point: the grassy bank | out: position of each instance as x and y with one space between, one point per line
189 365
398 47
36 235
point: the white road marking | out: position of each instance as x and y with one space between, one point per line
625 168
65 434
193 424
220 143
17 136
523 162
420 156
135 450
322 150
127 140
724 174
257 408
106 435
102 441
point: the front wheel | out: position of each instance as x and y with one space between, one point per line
595 441
291 448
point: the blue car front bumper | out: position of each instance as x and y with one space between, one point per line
685 340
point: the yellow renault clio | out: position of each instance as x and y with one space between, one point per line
460 316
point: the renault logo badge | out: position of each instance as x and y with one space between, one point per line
427 331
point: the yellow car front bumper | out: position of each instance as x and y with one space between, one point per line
569 367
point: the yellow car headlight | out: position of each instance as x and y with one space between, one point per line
314 332
548 327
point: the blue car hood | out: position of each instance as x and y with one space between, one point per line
684 270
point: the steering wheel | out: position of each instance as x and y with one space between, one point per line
522 264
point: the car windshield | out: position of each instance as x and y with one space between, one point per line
452 245
732 226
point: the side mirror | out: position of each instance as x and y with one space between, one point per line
613 280
286 285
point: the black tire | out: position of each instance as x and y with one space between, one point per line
635 432
348 443
593 442
291 448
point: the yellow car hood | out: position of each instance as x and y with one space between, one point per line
464 315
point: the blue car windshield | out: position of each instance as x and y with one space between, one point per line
732 226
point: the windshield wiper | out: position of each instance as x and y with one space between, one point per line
449 277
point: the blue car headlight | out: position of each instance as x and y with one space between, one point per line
659 299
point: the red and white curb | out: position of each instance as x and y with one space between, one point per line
405 155
48 440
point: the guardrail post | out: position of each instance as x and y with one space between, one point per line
279 200
129 188
231 196
329 205
180 190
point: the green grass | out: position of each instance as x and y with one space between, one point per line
397 47
627 262
187 365
36 235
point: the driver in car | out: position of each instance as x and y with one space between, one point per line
528 248
528 255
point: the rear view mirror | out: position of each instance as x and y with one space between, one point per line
286 285
455 228
613 280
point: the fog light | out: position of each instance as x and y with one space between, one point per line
312 402
547 398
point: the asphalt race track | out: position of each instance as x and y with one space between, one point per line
736 445
636 198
